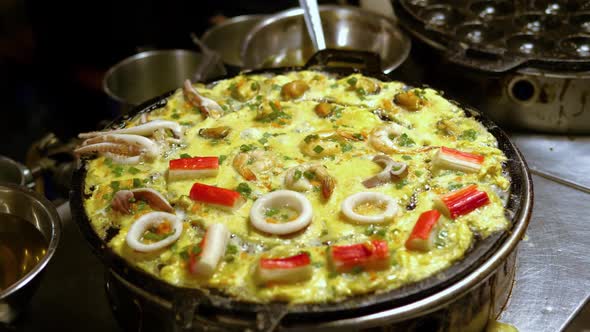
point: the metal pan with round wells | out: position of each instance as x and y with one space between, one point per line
463 297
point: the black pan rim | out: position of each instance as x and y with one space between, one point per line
366 303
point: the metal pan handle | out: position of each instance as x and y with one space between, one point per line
369 61
488 63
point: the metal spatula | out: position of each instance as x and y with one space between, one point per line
313 23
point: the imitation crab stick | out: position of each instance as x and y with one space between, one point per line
219 197
448 158
462 201
284 270
424 232
212 249
192 168
372 255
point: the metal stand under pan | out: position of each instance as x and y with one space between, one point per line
138 310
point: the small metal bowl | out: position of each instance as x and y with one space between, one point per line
282 39
145 75
37 210
227 38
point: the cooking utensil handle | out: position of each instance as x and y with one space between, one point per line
210 61
369 61
313 21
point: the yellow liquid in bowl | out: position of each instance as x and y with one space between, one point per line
22 246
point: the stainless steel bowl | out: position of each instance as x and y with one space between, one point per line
149 74
282 39
37 210
227 38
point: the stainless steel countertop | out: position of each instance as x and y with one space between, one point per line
553 276
553 268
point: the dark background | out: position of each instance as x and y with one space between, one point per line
53 56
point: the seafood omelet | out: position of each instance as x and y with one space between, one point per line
304 187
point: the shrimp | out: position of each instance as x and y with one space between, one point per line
383 138
300 178
252 162
208 107
324 144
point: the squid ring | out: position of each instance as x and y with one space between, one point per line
354 200
281 198
145 222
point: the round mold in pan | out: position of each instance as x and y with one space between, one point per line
576 45
536 22
441 16
580 22
489 9
528 45
531 31
555 7
476 33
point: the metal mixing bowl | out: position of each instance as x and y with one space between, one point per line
151 73
37 210
282 39
227 38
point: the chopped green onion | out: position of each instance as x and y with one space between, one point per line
247 147
244 189
115 185
309 175
346 147
196 250
271 212
401 184
469 135
231 249
405 140
133 170
310 138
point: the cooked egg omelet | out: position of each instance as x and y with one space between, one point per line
316 138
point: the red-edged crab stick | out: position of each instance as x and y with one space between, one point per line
372 255
193 168
212 250
424 232
448 158
462 201
220 197
284 270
